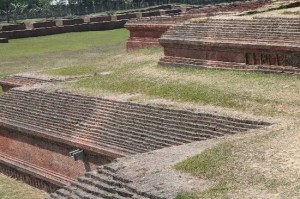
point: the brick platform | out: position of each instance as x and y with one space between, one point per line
145 32
260 44
38 129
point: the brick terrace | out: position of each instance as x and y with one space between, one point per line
146 32
260 44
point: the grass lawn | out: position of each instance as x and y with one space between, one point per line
13 189
261 166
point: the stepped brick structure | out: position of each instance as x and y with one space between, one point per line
255 44
146 32
39 129
102 183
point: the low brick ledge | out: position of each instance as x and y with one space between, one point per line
201 63
35 171
242 44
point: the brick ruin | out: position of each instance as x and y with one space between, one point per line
263 44
39 129
87 23
146 32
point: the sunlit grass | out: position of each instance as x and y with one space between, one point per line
13 189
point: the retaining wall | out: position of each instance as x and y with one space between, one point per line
63 29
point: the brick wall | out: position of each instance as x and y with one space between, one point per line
21 26
63 29
50 157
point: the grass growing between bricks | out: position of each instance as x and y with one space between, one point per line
13 189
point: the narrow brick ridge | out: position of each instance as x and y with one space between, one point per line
110 127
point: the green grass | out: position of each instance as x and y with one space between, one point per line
62 43
186 196
209 164
13 189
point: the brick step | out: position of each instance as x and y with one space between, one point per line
145 144
85 191
118 190
261 27
151 109
57 127
148 140
186 130
178 114
102 184
233 31
108 171
79 137
228 65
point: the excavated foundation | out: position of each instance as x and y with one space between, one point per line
38 129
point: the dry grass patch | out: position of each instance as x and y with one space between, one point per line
13 189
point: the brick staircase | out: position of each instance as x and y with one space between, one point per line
106 126
263 44
102 183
